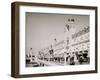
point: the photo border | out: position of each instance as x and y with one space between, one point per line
15 32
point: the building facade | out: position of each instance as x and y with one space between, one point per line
74 49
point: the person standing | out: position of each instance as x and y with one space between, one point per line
31 54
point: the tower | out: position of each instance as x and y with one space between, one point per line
68 37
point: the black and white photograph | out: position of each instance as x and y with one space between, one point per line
53 39
57 39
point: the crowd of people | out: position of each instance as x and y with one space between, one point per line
78 57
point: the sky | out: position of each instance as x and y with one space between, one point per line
42 28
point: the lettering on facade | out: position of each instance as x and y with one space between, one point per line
82 32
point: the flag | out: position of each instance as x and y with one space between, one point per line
67 26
